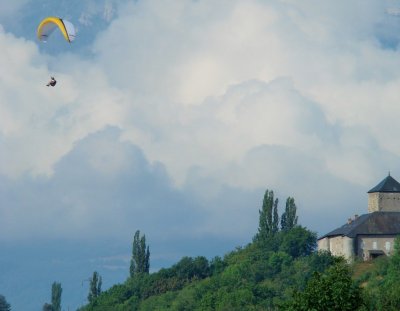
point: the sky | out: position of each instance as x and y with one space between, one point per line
174 117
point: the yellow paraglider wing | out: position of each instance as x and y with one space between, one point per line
49 24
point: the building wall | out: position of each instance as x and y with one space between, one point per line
338 246
382 201
373 202
365 244
344 246
323 244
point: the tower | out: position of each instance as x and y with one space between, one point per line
385 196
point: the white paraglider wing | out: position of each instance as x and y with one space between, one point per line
49 24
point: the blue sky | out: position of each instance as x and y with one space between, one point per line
173 117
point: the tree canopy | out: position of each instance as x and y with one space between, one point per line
140 262
332 290
262 275
56 292
94 287
4 305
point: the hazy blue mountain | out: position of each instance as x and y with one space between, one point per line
28 269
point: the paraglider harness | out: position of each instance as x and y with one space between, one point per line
52 82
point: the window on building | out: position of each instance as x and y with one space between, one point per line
387 246
374 245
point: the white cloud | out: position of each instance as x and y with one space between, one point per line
180 54
236 94
39 124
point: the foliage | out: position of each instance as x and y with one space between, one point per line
382 282
56 292
275 218
280 267
269 217
217 265
333 290
95 287
297 241
140 262
47 307
248 278
289 218
268 220
4 305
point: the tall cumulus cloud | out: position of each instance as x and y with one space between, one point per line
227 98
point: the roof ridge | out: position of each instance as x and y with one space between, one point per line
370 223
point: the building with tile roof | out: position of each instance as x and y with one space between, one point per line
369 235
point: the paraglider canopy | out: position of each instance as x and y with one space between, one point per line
49 24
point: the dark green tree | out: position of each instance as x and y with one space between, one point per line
275 218
201 267
217 265
386 294
47 307
268 220
297 241
140 262
95 287
289 217
333 290
4 305
56 292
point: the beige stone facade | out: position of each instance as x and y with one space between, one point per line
383 202
369 246
364 247
338 246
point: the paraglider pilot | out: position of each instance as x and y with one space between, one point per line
52 82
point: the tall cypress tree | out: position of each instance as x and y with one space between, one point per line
56 292
275 218
269 219
95 287
289 217
140 262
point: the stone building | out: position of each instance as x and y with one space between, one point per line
369 235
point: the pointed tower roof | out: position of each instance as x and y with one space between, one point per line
389 184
